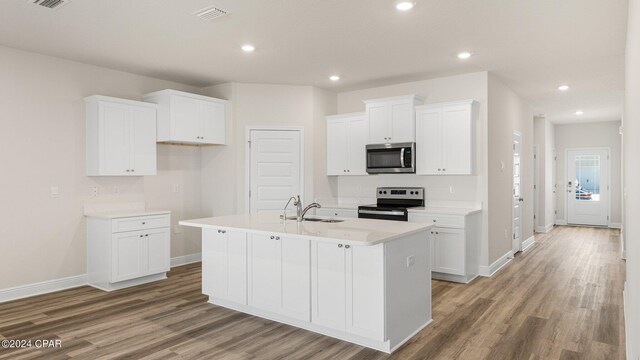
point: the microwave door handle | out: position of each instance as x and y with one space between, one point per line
402 157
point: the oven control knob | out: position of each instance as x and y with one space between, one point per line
384 192
379 192
412 193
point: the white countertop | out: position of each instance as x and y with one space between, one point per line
349 232
123 214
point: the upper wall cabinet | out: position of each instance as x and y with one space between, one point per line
445 138
392 119
121 137
185 118
346 141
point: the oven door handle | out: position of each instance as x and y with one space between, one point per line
375 212
402 157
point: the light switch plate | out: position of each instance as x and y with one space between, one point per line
54 192
411 260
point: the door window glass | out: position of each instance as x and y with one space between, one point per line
587 182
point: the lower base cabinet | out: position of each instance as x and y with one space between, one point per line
224 264
279 275
348 288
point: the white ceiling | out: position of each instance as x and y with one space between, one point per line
533 45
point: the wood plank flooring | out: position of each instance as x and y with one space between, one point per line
561 299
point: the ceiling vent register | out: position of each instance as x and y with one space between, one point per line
50 4
210 13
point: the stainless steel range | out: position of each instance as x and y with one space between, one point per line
393 203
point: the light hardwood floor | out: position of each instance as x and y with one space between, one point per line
561 299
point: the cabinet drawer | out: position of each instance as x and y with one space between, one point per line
451 221
140 223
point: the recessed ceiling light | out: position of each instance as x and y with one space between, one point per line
579 112
405 5
334 77
563 87
248 48
464 55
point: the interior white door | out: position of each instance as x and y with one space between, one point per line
274 169
588 187
516 244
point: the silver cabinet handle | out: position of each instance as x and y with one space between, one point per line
144 223
224 231
439 169
347 246
141 235
146 234
437 233
277 237
402 157
339 245
272 237
444 169
434 220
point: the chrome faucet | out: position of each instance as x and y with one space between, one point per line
309 207
300 213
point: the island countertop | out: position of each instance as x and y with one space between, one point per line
349 232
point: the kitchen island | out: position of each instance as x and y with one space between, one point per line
359 280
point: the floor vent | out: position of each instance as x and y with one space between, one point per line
50 4
210 13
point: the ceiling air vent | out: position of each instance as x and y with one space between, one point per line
210 13
51 4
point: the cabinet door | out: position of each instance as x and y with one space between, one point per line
358 129
337 140
236 266
265 273
213 119
186 123
457 140
449 251
157 251
143 140
127 255
380 127
365 291
402 121
296 283
328 288
114 138
429 142
214 263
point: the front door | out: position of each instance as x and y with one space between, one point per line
587 187
274 171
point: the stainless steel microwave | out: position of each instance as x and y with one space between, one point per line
391 158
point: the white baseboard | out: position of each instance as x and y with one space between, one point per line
488 271
544 229
186 259
528 243
43 287
23 291
615 225
561 222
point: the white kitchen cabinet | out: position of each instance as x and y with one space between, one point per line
346 141
392 119
224 264
127 251
337 212
120 137
445 138
186 118
454 245
348 288
279 275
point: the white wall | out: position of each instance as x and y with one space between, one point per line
508 112
42 144
598 134
631 176
263 105
544 137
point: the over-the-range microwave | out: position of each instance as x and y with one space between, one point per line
391 158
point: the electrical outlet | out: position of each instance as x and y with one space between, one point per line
116 190
411 260
93 190
54 192
176 188
451 189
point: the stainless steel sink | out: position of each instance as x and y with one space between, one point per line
323 220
